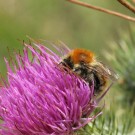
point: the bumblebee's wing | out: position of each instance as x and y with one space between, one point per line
114 76
104 70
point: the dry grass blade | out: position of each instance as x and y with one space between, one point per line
103 10
127 5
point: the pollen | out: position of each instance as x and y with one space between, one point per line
82 55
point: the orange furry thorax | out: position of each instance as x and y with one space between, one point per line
82 55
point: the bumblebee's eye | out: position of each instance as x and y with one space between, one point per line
67 62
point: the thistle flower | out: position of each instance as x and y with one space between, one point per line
41 98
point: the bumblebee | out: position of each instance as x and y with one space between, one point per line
83 63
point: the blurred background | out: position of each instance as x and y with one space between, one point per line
60 20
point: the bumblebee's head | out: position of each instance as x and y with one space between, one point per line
78 57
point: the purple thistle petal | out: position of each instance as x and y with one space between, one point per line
41 98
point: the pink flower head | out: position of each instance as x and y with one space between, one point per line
41 98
